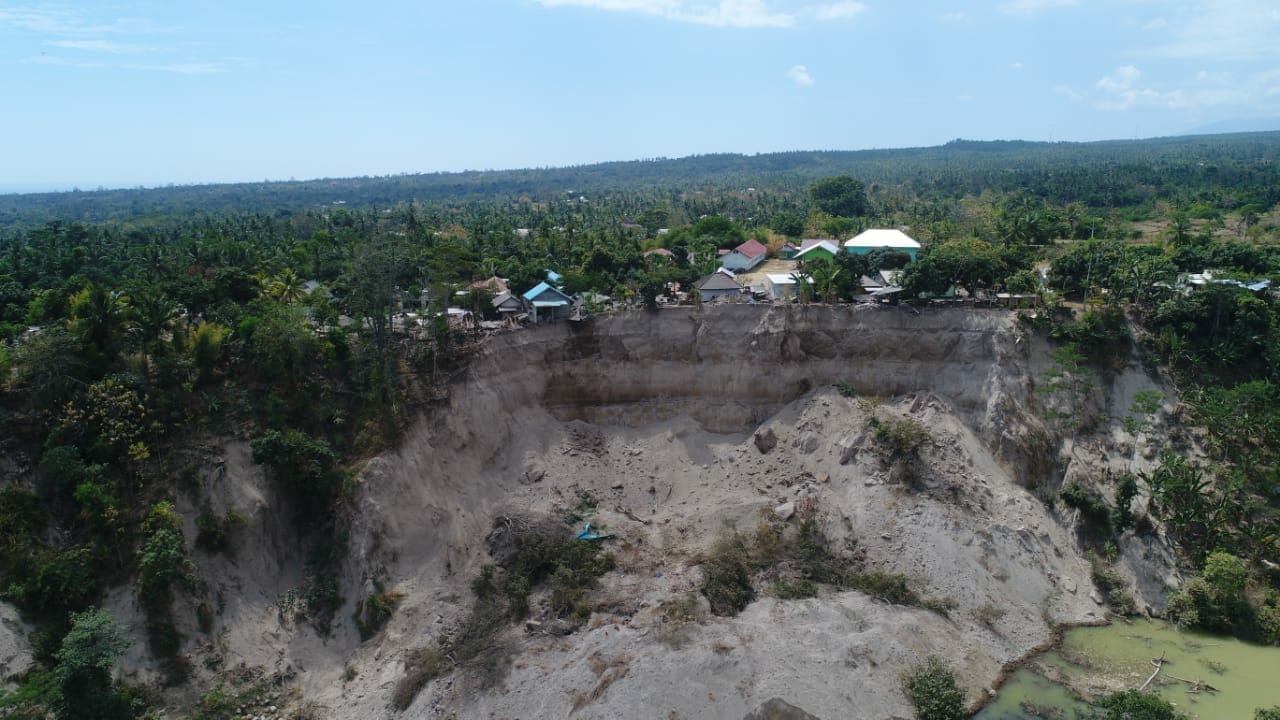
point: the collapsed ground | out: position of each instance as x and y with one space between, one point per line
672 431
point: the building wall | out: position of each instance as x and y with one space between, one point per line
863 250
738 262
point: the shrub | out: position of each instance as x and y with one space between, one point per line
212 531
794 589
1113 586
1095 516
727 583
931 688
1126 490
1134 705
989 614
375 611
901 439
887 586
301 463
1216 600
423 666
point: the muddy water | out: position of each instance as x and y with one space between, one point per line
1098 660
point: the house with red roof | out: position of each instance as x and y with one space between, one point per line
744 257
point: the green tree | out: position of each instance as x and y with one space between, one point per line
841 196
83 676
826 279
97 317
162 559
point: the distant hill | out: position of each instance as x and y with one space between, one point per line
1238 125
952 170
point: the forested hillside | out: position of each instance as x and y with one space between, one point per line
1101 174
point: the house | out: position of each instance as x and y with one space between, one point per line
660 252
716 285
554 278
788 251
744 257
876 239
882 279
782 286
508 304
819 252
549 303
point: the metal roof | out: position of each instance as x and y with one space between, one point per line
883 238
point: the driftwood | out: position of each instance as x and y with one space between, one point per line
1195 686
1158 663
627 511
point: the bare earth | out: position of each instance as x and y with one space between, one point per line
670 401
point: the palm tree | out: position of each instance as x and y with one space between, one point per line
826 279
150 314
287 287
804 289
97 316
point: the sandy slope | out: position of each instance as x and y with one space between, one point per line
669 402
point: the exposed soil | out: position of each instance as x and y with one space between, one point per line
655 415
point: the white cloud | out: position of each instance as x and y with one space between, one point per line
840 10
1123 90
1033 7
1225 30
723 13
176 68
800 75
102 46
1122 79
954 18
1016 65
51 21
1069 92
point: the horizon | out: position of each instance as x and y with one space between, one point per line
1271 127
147 95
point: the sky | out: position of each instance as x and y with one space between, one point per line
126 94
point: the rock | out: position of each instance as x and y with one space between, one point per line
533 472
785 511
766 440
561 628
1069 585
616 486
848 451
1096 597
824 478
779 709
807 444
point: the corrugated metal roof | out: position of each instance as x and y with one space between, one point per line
717 281
824 244
542 288
883 238
752 249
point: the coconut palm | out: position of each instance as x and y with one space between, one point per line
287 287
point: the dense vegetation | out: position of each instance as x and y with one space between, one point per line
136 322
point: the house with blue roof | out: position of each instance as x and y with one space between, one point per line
549 303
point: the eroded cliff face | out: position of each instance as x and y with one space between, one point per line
653 414
732 367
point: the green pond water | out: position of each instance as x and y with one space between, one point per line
1118 657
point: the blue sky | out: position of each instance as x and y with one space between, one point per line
148 93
